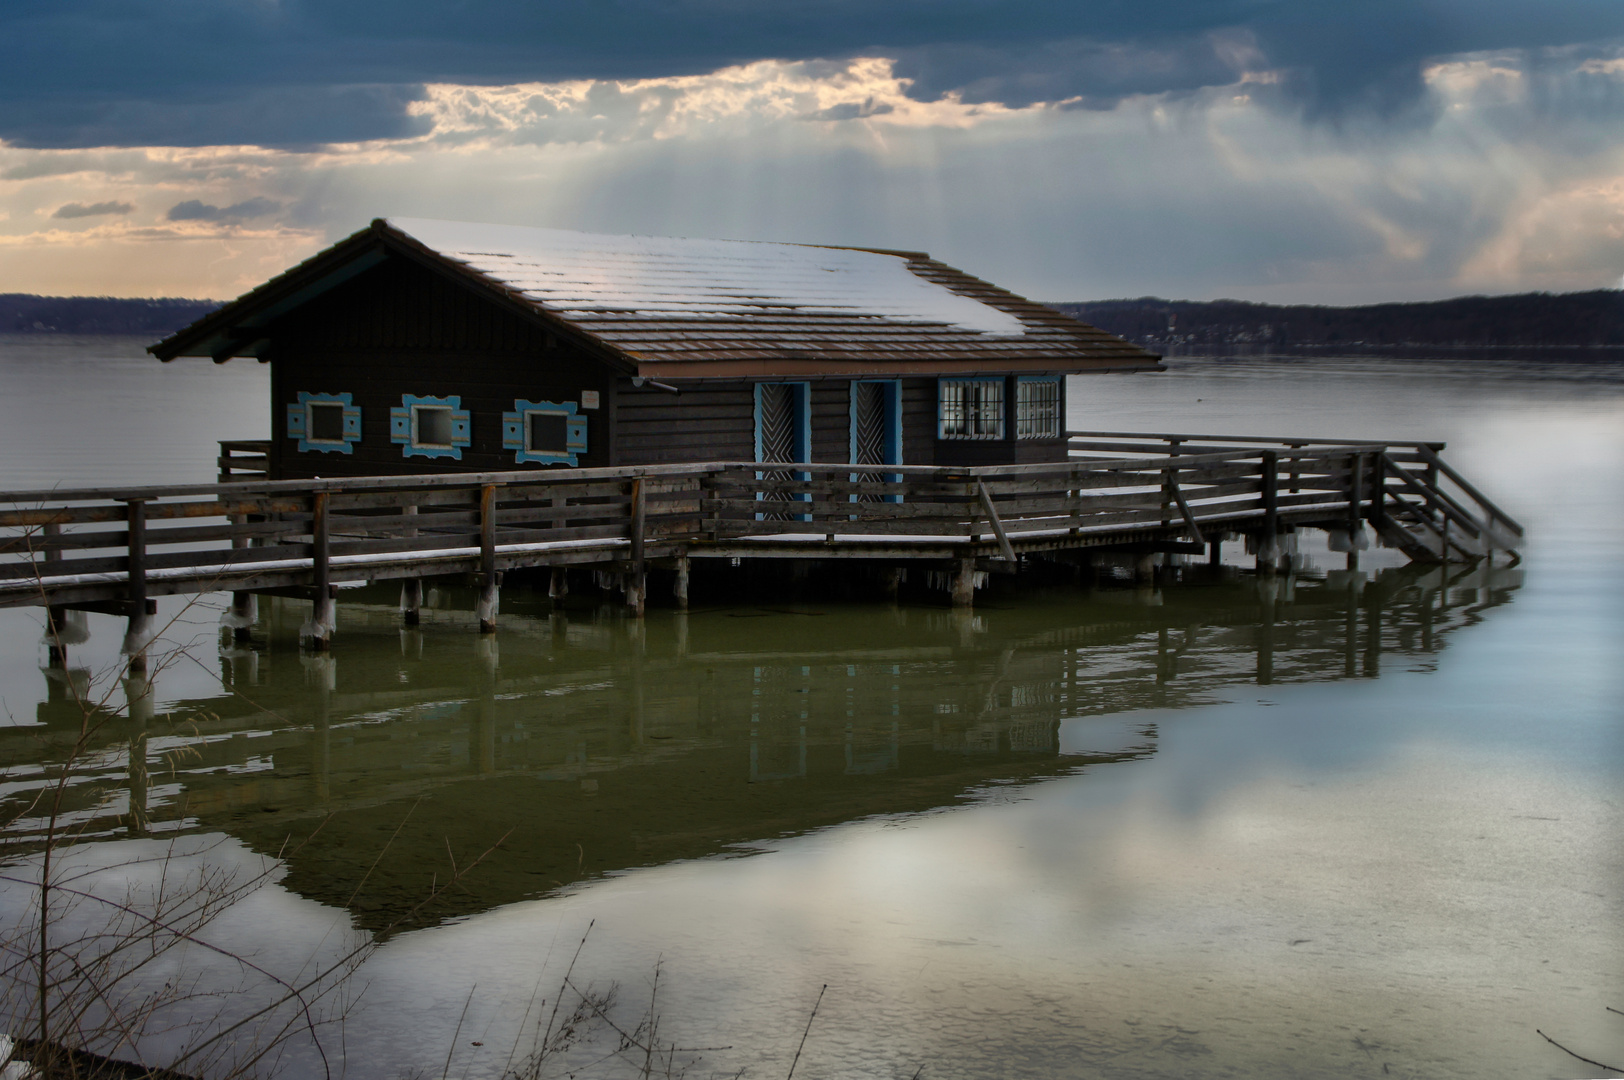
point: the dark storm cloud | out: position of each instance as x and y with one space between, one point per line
101 209
197 210
301 72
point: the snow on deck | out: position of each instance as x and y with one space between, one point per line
582 275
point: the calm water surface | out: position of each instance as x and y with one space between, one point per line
1362 825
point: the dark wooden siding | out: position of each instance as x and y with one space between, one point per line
403 329
919 421
400 329
708 422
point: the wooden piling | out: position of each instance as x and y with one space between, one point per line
964 584
1268 547
558 585
244 611
411 601
135 596
679 587
635 583
490 581
323 615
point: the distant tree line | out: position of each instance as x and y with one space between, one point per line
1583 320
21 313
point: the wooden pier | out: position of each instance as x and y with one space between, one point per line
114 550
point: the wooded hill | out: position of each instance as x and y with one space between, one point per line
1522 321
21 313
1585 320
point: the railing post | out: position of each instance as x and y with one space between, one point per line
1168 480
1356 498
636 579
55 617
1378 489
139 632
323 617
1268 545
490 582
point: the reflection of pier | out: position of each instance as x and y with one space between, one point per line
607 743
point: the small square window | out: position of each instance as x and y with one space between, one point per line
546 433
326 422
431 426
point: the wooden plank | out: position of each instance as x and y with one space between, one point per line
992 519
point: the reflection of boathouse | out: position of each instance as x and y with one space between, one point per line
700 733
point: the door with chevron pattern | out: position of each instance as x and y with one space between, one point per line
780 432
875 438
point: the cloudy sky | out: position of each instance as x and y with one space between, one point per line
1336 151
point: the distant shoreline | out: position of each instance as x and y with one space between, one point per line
1587 325
1529 327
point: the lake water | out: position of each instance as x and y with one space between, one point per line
1363 825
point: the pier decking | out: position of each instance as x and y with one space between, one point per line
113 550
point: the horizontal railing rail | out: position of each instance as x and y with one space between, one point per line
263 533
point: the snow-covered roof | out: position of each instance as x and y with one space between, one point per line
699 309
581 275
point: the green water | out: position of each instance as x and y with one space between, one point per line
1361 824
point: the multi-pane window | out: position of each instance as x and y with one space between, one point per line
970 408
1037 408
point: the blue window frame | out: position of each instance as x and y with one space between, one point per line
545 432
431 427
970 408
325 423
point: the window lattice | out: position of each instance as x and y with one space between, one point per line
971 408
1037 409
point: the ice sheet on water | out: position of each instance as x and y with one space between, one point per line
589 274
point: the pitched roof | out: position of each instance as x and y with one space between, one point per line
677 308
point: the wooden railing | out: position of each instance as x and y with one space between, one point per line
244 459
116 547
1419 494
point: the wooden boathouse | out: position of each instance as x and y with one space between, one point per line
466 400
421 346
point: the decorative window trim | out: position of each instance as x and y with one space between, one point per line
1029 413
403 426
989 405
299 425
515 423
